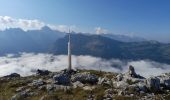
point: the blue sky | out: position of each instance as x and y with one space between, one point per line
145 18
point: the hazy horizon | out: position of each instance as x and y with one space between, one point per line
143 18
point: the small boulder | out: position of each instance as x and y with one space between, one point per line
13 75
104 81
42 72
165 82
121 93
19 89
85 78
153 84
50 88
37 83
121 84
119 77
22 94
89 88
77 84
62 79
142 87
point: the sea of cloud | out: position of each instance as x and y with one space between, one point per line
27 63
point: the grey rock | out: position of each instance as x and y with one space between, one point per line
85 78
89 88
19 89
13 75
165 81
54 87
43 87
77 84
131 73
153 84
121 93
108 94
119 77
50 87
121 84
37 83
32 94
62 79
22 94
42 72
104 81
142 87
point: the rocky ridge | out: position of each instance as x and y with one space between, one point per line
84 85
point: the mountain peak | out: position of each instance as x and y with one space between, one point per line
14 30
46 28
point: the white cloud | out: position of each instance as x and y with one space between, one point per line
9 22
27 63
63 28
100 30
25 24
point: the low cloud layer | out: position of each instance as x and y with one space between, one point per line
27 63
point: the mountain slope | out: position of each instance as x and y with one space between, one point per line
124 38
16 40
104 47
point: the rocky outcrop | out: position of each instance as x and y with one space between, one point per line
131 73
104 81
54 87
13 75
131 79
77 84
37 83
23 94
153 84
62 79
42 72
165 82
85 78
108 85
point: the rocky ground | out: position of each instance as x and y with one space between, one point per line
84 85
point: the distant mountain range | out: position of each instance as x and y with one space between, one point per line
16 40
124 38
100 46
105 45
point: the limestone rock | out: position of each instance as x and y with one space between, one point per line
142 87
13 75
104 81
153 84
85 78
77 84
121 84
121 93
19 89
37 83
62 79
119 77
131 73
42 72
89 88
22 94
165 81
